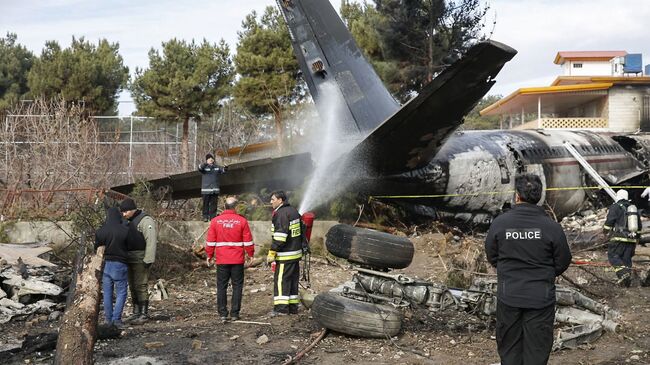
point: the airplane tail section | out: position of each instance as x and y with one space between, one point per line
411 137
329 56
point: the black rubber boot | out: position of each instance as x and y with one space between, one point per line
137 312
144 313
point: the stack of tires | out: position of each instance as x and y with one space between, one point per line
377 251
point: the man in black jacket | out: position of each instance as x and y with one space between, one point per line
529 250
210 186
113 234
286 252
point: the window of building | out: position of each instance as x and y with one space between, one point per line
577 65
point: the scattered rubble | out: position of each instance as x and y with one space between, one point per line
26 285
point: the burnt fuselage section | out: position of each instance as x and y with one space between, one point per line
473 173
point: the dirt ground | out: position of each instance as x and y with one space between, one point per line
186 328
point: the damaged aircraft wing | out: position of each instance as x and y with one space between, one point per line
285 172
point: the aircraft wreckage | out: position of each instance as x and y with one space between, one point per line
369 304
410 155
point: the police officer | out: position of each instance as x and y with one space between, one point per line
210 186
622 241
142 245
286 252
529 250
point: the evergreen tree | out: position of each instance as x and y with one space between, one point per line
83 73
186 82
15 63
413 40
268 68
474 120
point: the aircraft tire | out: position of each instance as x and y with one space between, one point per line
354 317
369 247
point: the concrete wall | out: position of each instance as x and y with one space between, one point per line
179 232
624 107
59 233
190 231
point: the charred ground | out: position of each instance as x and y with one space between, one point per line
185 328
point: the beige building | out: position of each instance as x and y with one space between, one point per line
607 100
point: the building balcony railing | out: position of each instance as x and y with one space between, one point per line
566 123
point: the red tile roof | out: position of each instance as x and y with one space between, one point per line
584 55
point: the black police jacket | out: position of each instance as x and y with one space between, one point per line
210 178
529 250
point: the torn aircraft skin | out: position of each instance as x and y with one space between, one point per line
409 151
473 171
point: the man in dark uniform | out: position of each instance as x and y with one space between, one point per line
286 252
622 242
529 250
142 245
210 186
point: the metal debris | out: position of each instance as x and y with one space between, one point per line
588 318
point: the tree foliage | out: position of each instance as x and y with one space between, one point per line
84 73
410 41
473 120
15 63
267 66
186 82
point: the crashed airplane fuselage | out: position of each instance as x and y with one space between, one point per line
410 154
472 176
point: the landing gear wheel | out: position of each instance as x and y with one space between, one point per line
369 247
354 317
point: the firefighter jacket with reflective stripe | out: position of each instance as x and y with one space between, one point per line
529 250
287 235
210 178
616 223
229 236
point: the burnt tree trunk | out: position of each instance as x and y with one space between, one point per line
78 330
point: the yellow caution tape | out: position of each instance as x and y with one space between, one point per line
498 192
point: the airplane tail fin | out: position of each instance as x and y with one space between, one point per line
410 138
328 55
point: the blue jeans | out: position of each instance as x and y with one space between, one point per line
115 273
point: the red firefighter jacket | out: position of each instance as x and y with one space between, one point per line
228 237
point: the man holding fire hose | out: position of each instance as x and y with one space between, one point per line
286 252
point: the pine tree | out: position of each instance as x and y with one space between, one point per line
92 75
186 82
268 68
413 40
15 63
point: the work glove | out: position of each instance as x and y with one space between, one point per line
271 257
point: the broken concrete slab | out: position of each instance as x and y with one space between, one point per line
8 303
29 253
30 286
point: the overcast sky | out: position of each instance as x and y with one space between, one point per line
536 28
